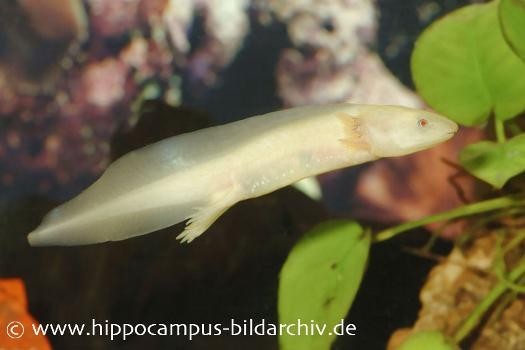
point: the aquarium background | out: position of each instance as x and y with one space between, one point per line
83 82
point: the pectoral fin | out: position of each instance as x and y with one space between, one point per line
355 136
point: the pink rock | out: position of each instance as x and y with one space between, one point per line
113 18
103 82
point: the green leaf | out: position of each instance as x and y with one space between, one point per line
512 18
495 163
427 340
319 281
463 67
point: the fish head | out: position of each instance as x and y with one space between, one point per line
395 131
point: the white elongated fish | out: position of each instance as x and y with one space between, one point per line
199 175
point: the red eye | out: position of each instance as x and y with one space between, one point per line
422 122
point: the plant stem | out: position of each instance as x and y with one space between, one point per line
470 209
477 314
519 237
499 127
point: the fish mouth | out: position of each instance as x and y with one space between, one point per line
447 136
454 130
450 135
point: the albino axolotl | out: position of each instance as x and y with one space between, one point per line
199 175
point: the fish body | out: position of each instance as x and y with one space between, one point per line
199 175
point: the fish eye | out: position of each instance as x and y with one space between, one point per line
422 122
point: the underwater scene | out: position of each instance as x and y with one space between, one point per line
262 174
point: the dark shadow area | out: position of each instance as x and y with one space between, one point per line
247 87
400 24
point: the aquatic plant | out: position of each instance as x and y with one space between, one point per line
470 66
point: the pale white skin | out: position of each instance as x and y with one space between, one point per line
197 176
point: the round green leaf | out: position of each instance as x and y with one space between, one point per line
463 67
495 163
512 18
428 340
319 281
